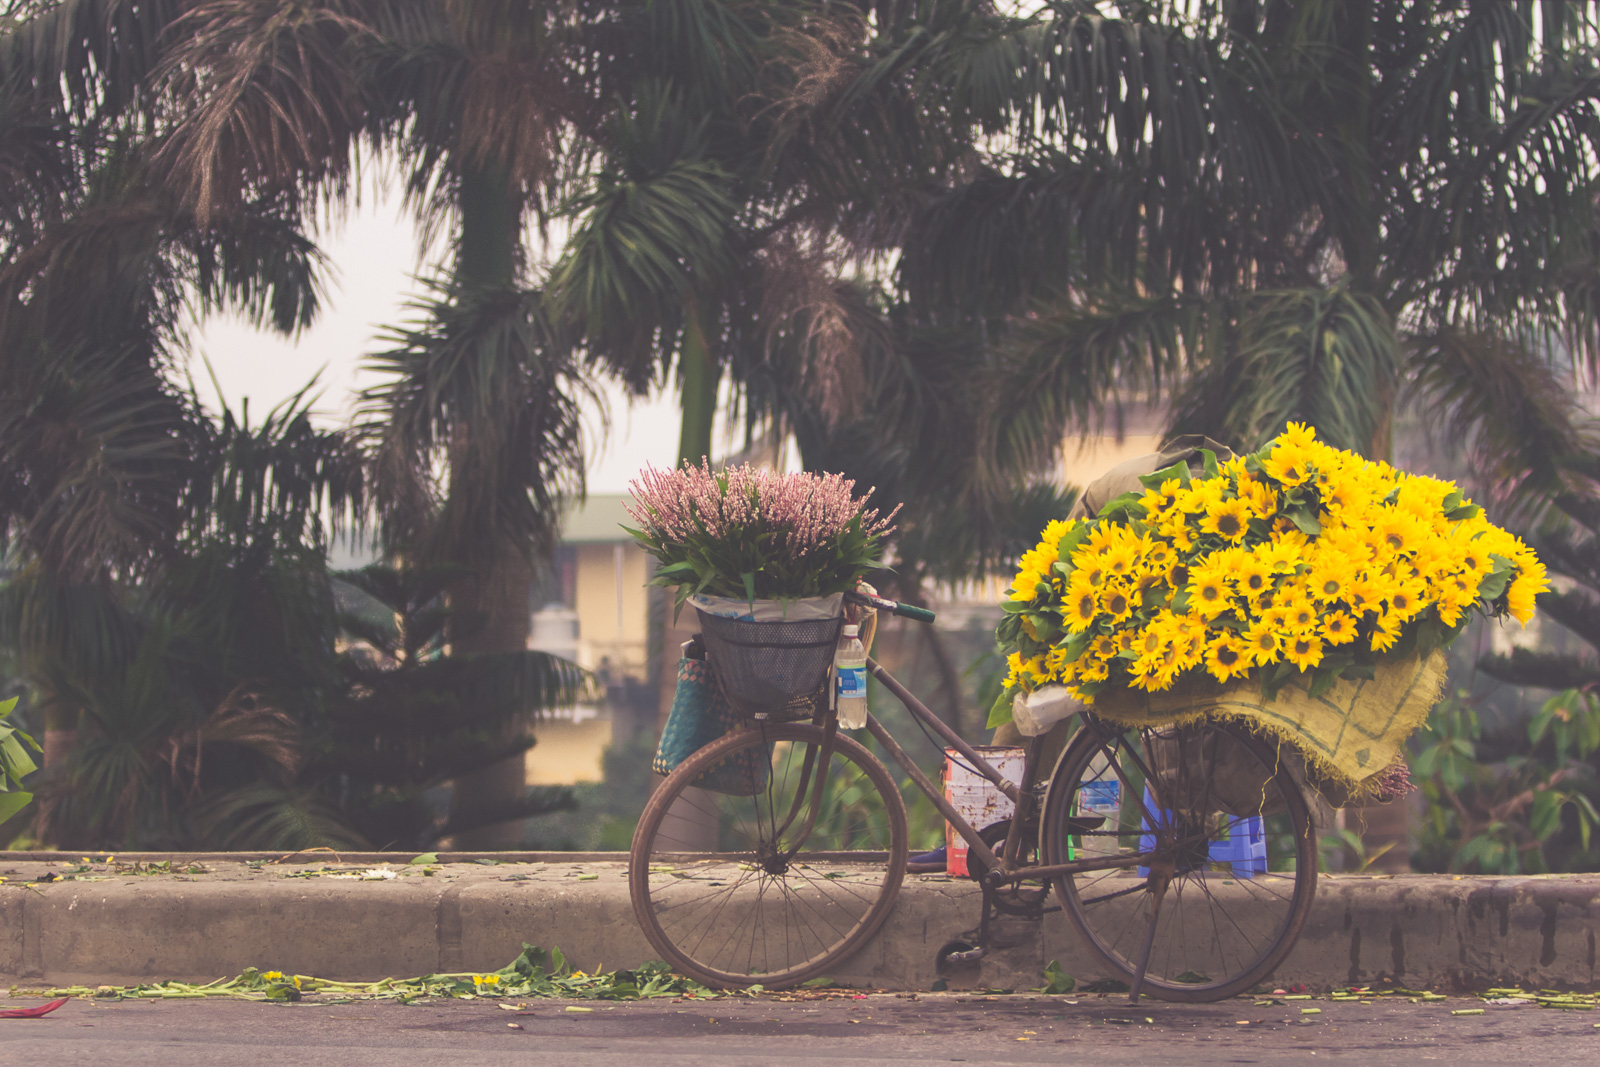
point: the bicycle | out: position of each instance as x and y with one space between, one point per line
1194 890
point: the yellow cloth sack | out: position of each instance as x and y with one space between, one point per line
1348 734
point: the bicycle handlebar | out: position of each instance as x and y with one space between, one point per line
894 607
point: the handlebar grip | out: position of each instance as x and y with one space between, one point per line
907 611
894 607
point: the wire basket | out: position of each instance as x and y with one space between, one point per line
772 671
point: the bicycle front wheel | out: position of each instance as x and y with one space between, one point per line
735 883
1224 856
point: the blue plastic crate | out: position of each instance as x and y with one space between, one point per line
1245 850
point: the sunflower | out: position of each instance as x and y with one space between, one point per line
1524 590
1278 616
1176 529
1201 496
1208 593
1261 497
1396 532
1363 595
1227 656
1302 616
1228 519
1120 560
1285 553
1453 599
1303 650
1331 575
1252 576
1116 601
1338 628
1474 560
1082 605
1158 555
1386 633
1265 644
1405 598
1288 463
1299 435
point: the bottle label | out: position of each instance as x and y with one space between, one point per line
1098 796
852 683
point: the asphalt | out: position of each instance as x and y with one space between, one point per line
142 918
885 1029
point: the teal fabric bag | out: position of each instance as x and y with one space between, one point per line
700 715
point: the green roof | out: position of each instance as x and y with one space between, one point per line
597 519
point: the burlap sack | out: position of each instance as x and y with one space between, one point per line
1347 736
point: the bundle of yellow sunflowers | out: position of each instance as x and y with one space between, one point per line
1297 563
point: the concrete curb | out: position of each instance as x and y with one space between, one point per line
1429 931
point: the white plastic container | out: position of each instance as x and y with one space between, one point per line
1036 712
975 798
1100 793
850 679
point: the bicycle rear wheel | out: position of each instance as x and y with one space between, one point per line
733 889
1227 855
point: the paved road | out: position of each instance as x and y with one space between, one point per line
880 1029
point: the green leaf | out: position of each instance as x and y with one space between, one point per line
1497 580
1076 644
15 762
1000 711
1072 539
1056 982
426 857
1209 460
1322 680
1127 502
1304 521
13 802
749 580
1179 470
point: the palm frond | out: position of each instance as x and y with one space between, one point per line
1327 357
1060 365
91 58
96 452
1506 405
276 817
263 97
475 434
641 249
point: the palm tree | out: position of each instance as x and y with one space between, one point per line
1311 210
758 151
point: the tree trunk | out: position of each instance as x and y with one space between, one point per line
493 607
487 256
699 378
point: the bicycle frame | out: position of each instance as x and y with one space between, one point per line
1002 867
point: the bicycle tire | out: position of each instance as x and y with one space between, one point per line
1240 918
776 922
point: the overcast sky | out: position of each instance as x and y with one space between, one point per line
374 258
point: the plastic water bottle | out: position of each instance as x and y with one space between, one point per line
850 670
1100 793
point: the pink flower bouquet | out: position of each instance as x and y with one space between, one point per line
747 532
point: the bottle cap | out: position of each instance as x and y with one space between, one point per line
851 629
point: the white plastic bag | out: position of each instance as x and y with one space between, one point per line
1036 712
800 609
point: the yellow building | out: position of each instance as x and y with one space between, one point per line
593 608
